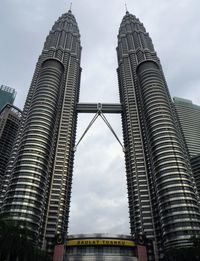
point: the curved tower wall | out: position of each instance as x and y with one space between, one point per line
140 205
40 183
158 169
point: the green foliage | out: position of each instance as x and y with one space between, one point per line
16 243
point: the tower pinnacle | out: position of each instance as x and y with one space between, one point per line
126 8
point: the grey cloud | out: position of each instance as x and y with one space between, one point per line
99 184
102 204
99 175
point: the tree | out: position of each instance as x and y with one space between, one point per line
16 243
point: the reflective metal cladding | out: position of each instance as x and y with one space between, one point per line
163 202
40 185
161 191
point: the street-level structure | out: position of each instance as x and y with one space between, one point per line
100 247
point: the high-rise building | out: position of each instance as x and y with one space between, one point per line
9 123
195 164
39 191
7 95
189 117
162 195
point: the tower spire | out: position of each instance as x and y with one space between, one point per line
126 7
70 7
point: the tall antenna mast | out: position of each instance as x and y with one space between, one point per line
126 7
70 8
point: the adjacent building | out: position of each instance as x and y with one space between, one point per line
163 202
10 117
7 95
189 117
195 164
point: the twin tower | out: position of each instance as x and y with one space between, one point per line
163 202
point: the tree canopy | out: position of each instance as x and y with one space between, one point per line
16 243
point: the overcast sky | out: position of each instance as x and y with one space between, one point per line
99 197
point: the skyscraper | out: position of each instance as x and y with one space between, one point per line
7 95
189 117
195 164
39 191
9 123
162 196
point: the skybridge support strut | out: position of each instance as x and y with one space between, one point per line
99 109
